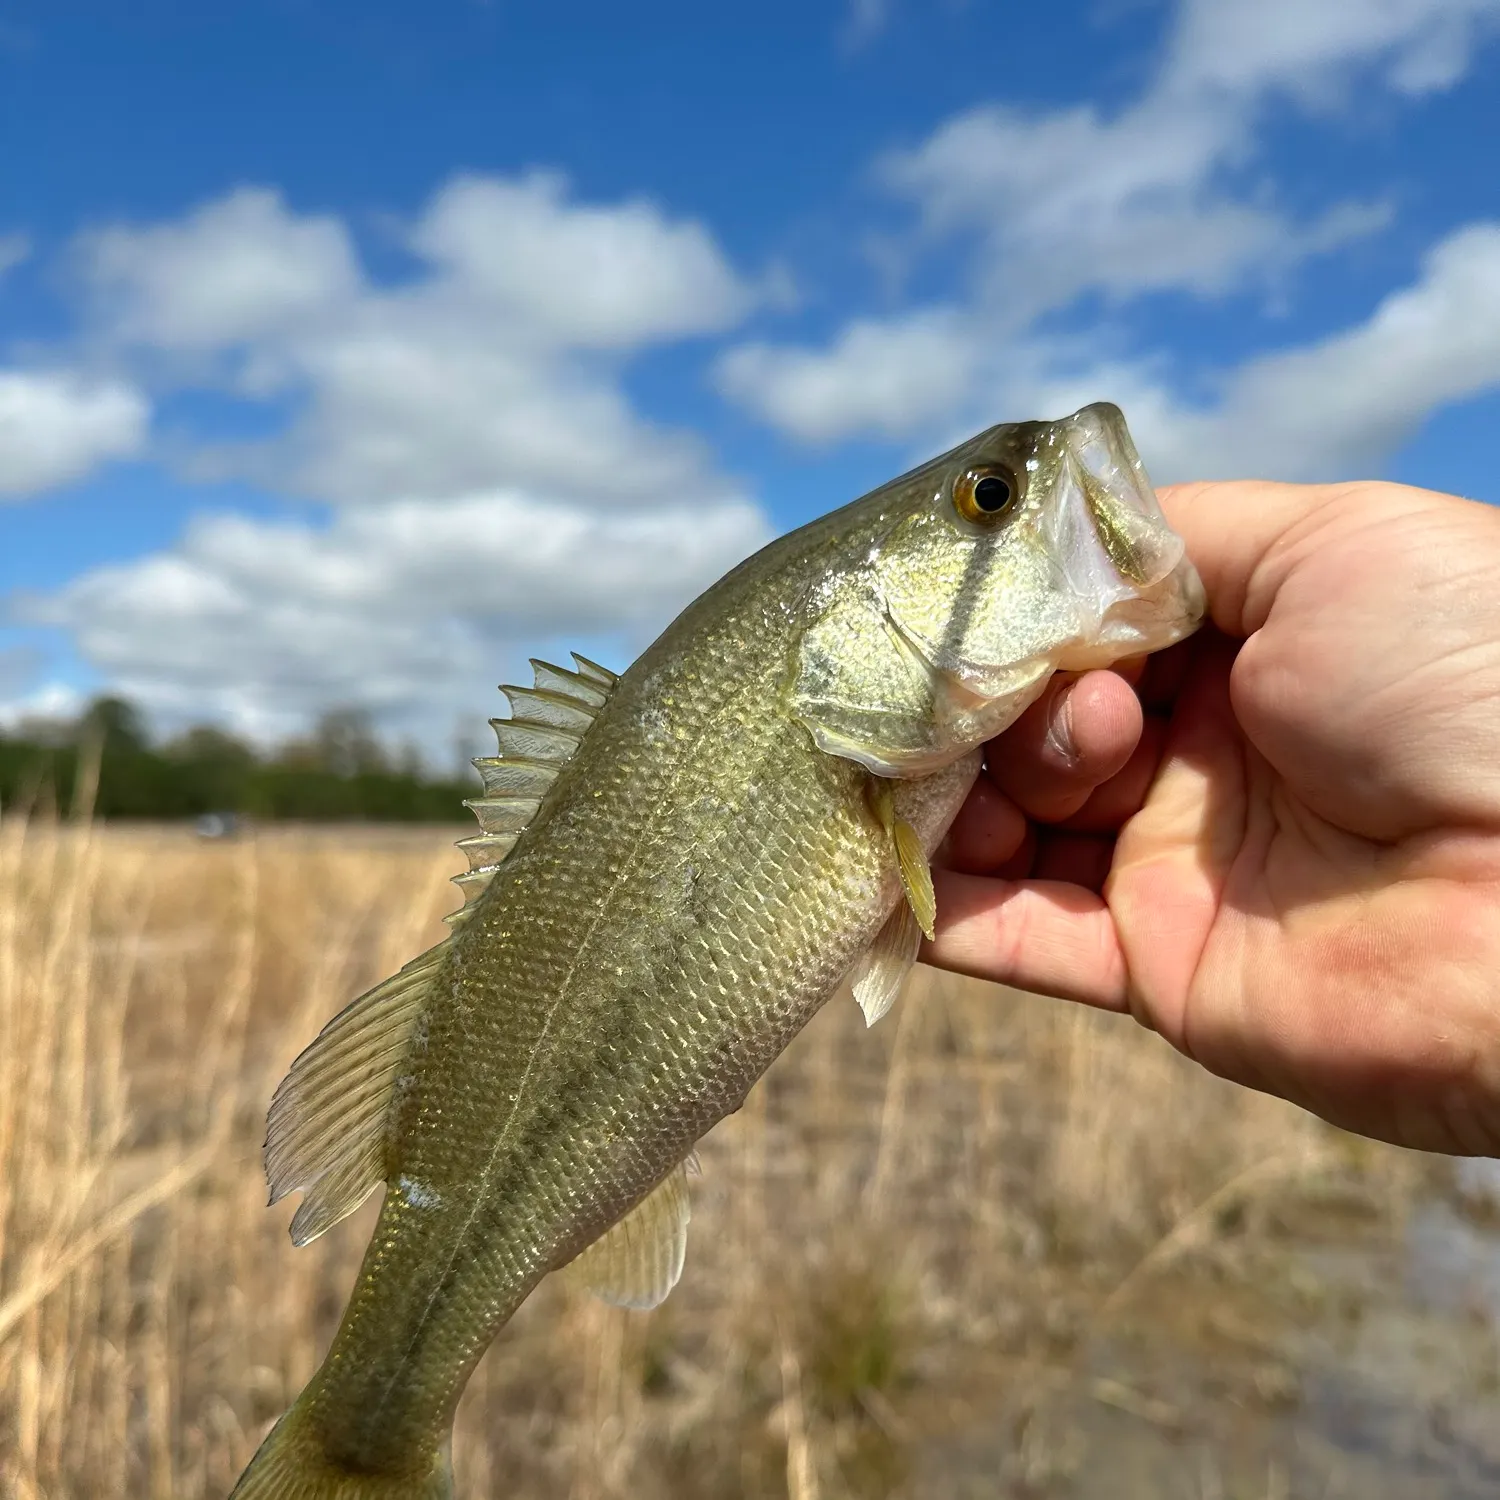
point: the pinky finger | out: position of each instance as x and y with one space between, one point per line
1044 935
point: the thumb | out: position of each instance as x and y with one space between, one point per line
1244 536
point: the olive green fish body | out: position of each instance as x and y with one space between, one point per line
695 887
733 834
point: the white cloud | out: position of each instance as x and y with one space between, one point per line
1334 408
1343 405
18 665
581 277
1069 203
1072 200
1309 47
491 485
411 609
52 703
898 375
864 20
407 402
1163 195
238 269
55 428
496 364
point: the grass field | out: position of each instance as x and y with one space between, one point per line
996 1246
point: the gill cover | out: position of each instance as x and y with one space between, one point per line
952 623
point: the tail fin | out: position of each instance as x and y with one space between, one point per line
292 1465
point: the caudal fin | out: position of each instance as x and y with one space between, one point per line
291 1465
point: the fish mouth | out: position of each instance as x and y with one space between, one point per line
1114 557
1128 572
1099 458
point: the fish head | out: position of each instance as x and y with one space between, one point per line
1032 548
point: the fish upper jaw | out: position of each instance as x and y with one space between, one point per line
1114 554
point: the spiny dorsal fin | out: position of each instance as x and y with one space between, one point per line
548 722
637 1261
325 1133
326 1130
879 973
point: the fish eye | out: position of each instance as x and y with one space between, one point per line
984 495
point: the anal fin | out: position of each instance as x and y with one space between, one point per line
637 1261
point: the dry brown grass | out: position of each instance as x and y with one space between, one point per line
935 1223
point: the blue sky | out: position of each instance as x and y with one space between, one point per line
350 353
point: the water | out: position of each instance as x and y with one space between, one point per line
1342 1357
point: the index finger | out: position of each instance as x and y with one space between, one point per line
1048 936
1233 529
1246 535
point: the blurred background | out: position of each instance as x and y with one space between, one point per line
352 353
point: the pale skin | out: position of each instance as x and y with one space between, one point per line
1278 844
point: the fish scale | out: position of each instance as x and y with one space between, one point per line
697 879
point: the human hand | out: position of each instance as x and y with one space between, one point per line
1289 863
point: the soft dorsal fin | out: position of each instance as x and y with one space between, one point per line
325 1133
547 723
637 1261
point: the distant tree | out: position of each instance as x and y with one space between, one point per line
408 762
108 763
117 722
346 743
210 745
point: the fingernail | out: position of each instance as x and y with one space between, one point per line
1060 740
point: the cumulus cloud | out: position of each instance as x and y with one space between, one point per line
489 484
235 270
1344 404
496 364
1250 45
897 375
51 703
411 609
1336 407
1160 196
1070 202
55 428
578 276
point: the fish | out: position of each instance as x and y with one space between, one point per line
676 868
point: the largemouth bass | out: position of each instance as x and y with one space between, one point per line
677 868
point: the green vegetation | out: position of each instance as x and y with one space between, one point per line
341 771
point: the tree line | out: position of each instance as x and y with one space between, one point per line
107 763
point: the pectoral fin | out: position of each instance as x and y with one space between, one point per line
877 977
916 876
636 1262
911 857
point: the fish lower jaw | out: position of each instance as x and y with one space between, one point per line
1124 643
885 760
965 720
